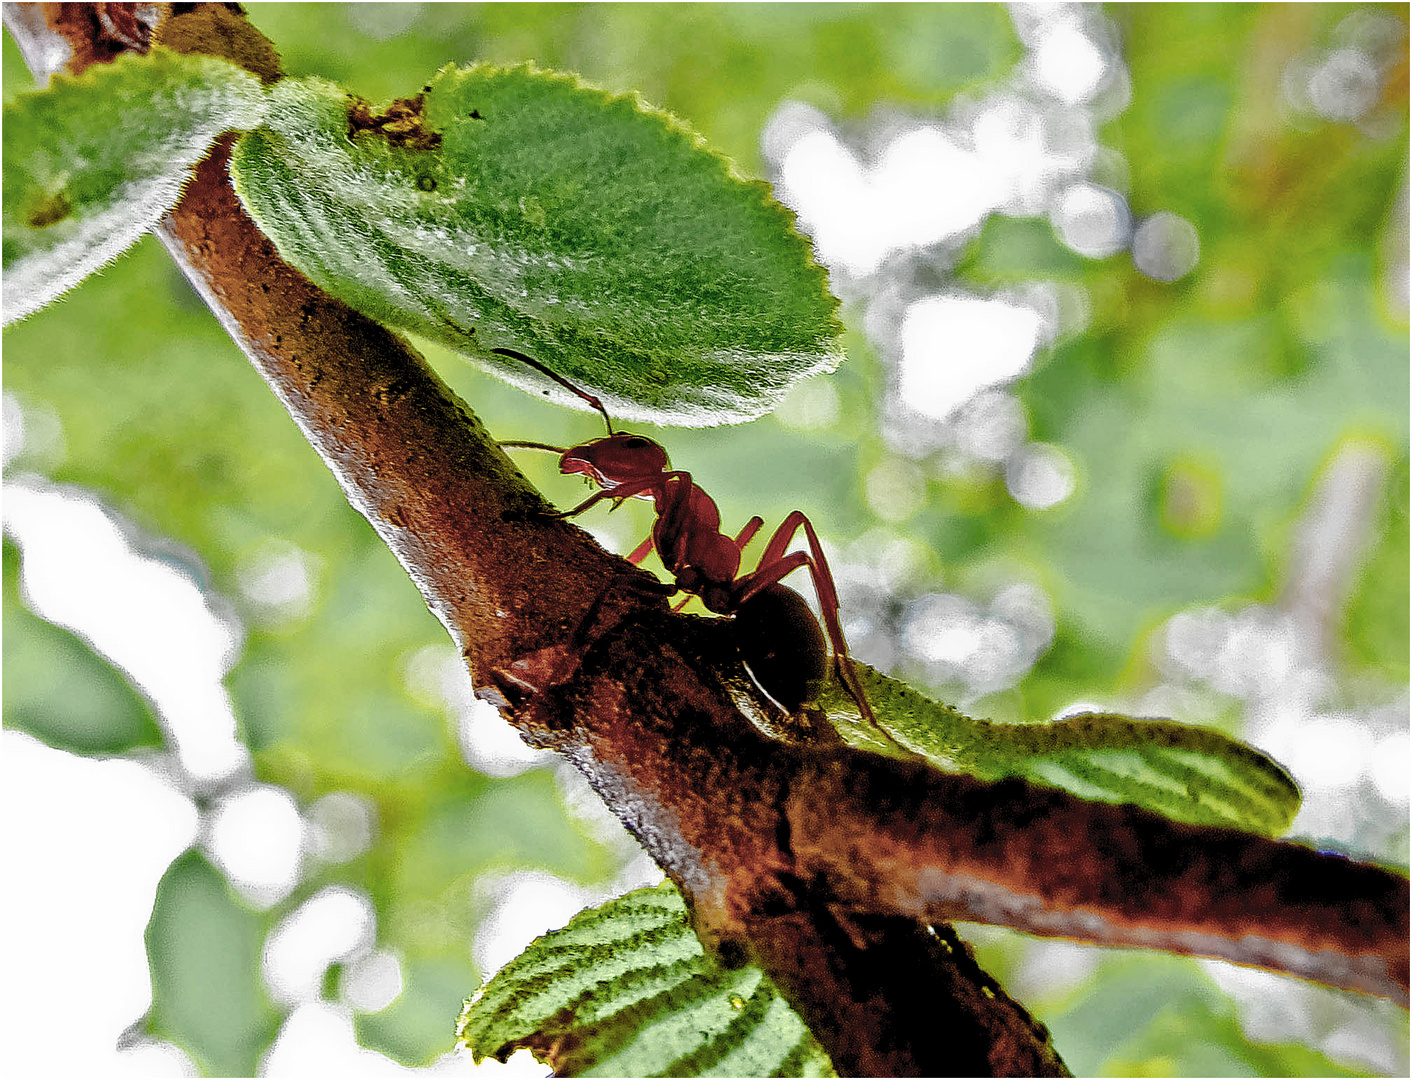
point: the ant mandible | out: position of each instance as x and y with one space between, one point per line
704 561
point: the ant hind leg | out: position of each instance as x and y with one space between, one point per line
775 564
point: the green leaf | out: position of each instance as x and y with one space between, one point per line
511 208
415 1029
1154 1015
1187 773
59 690
1376 618
203 950
93 162
626 990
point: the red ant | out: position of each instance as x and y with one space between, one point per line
704 561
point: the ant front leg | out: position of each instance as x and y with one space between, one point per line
775 564
619 492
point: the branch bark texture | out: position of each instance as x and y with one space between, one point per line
834 868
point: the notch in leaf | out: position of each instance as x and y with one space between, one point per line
522 210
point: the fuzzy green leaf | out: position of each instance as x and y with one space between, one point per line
1187 773
93 162
626 990
511 208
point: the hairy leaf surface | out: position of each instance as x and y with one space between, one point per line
93 162
625 990
1188 773
514 209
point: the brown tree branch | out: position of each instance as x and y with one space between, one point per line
823 863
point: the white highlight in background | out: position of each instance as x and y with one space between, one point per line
278 582
334 923
924 188
372 982
80 571
1166 247
340 827
1040 476
956 346
1092 220
318 1040
1068 64
895 489
528 903
86 843
257 838
436 675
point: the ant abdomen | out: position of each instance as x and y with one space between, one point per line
782 646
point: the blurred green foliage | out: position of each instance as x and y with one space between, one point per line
1160 1016
203 948
1232 388
57 689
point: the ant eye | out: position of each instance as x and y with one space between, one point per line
637 442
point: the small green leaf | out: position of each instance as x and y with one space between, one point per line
61 691
93 162
523 210
626 990
1187 773
203 951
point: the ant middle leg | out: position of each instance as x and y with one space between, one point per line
636 557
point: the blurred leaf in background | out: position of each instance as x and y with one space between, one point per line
59 691
1123 427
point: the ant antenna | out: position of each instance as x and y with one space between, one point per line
521 445
522 358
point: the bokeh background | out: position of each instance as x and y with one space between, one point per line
1123 424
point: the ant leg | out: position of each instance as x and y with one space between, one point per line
775 549
775 564
747 534
640 552
593 500
619 493
763 576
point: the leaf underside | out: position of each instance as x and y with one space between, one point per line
523 210
626 990
93 162
1191 774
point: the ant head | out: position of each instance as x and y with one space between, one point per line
615 459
